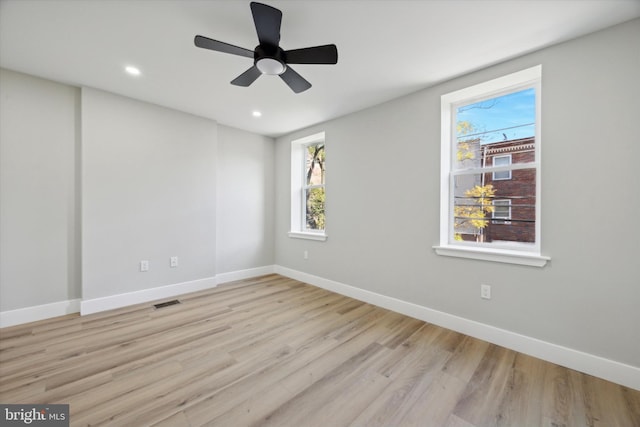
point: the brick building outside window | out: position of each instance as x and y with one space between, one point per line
513 219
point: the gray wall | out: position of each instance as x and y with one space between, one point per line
153 183
149 193
39 208
245 206
383 178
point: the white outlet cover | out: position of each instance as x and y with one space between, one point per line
485 291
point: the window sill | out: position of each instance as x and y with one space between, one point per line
308 236
495 255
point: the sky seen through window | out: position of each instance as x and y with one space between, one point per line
502 118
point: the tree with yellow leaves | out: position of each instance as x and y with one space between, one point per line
474 210
466 147
477 203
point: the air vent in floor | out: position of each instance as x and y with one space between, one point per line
166 304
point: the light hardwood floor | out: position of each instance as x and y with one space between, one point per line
276 352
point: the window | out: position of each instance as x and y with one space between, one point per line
308 170
501 211
490 171
502 161
313 187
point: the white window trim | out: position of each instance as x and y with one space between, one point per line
308 235
447 246
297 230
493 163
496 255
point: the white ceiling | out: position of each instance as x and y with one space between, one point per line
386 48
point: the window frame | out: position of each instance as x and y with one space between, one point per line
298 228
512 252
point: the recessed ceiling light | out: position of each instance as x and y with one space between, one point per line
132 70
256 114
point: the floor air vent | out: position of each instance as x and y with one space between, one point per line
166 304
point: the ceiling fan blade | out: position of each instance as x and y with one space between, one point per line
267 20
207 43
246 78
326 54
295 81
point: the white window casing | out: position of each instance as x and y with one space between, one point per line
506 252
298 227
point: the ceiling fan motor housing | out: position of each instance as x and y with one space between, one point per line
269 59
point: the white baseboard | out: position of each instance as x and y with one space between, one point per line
38 312
245 274
130 298
46 311
607 369
610 370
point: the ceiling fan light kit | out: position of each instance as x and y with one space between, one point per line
268 56
269 60
270 66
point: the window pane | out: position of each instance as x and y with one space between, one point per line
314 208
496 127
502 118
478 199
314 165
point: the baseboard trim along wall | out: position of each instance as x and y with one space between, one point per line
38 312
130 298
152 294
611 370
95 305
245 274
607 369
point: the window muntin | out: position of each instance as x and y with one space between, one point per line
476 128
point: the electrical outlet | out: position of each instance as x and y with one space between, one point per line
485 291
144 265
173 262
305 254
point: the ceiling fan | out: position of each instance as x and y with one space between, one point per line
268 57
